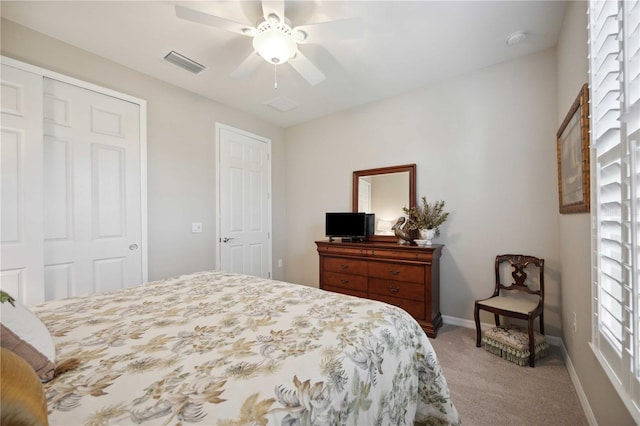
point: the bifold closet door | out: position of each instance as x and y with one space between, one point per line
70 185
21 242
92 209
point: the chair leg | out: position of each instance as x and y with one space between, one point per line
542 323
497 318
532 345
476 316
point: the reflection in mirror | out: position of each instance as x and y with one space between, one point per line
384 195
384 192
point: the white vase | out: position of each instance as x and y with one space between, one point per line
428 235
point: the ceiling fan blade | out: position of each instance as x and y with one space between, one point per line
306 69
273 6
343 29
248 66
212 20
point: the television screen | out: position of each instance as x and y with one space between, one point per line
349 224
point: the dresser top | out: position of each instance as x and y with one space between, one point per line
379 245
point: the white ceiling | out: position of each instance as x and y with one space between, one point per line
406 45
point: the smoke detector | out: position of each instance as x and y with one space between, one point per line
516 37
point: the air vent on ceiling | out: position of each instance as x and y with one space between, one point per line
282 103
184 62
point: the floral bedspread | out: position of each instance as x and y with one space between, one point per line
218 348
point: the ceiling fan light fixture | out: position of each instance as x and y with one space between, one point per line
274 42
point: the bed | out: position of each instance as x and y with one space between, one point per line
218 348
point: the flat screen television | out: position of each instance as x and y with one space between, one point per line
349 226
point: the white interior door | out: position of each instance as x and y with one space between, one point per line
21 249
364 196
92 209
244 202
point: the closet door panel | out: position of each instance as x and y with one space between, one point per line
58 190
21 244
92 160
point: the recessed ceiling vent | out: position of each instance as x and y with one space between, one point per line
183 62
282 103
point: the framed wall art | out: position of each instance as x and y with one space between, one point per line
573 156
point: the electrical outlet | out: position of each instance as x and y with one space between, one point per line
575 323
279 263
196 227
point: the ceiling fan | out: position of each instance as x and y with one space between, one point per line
275 40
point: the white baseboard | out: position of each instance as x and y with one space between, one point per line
461 322
582 397
553 340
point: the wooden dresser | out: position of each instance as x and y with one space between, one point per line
405 276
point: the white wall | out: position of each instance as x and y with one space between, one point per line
575 242
483 142
181 157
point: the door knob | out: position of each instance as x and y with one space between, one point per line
226 239
133 247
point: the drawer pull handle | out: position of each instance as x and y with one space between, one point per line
344 281
394 289
343 266
392 272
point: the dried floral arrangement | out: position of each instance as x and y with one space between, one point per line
426 216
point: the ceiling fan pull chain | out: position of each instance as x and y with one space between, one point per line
275 76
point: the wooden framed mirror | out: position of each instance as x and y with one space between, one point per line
384 191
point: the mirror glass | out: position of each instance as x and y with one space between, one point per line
384 192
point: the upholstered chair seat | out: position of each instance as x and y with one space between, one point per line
510 304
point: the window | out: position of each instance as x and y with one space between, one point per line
614 76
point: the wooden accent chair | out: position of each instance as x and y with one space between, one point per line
525 308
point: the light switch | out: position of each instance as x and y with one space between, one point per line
196 227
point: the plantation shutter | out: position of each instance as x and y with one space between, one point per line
614 62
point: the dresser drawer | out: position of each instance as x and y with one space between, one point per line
413 307
354 282
397 272
419 255
401 289
348 291
345 266
347 251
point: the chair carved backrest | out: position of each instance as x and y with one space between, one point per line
519 263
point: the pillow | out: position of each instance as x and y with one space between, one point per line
23 399
22 332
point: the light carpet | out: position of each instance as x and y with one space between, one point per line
489 390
